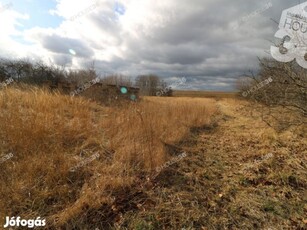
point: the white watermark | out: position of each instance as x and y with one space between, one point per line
244 19
171 162
292 32
257 87
263 158
169 88
85 11
85 162
5 7
6 82
85 87
6 157
31 223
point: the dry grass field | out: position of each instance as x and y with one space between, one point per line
48 134
205 94
81 165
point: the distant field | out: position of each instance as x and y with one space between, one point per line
210 94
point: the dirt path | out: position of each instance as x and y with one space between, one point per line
238 174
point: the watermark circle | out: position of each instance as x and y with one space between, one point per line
123 90
72 52
133 97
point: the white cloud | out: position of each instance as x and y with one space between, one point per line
170 38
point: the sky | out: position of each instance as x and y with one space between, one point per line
209 42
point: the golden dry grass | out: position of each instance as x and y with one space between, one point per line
48 134
205 94
239 174
140 131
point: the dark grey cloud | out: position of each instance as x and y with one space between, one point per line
202 44
196 39
62 45
62 60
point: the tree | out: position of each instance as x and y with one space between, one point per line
30 73
150 84
82 76
117 79
287 89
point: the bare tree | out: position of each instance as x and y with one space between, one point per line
117 79
30 73
150 84
287 89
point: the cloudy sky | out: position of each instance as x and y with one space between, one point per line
210 42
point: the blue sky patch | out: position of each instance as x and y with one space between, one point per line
119 9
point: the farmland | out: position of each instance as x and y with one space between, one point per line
205 94
161 163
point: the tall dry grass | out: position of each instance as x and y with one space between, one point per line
50 133
141 132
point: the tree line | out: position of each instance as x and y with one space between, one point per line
38 73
